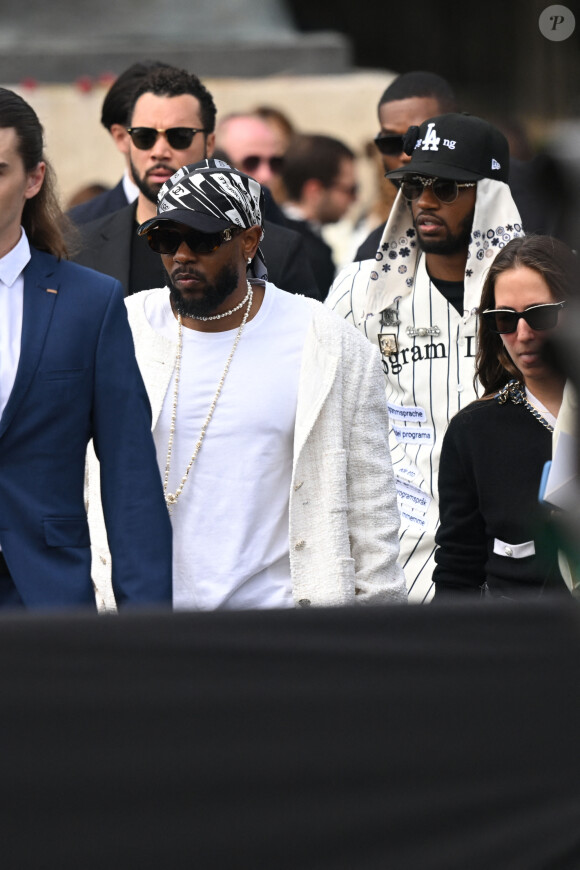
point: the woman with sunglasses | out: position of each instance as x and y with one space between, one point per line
492 535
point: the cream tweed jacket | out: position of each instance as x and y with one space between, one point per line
344 520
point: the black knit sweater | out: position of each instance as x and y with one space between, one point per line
491 464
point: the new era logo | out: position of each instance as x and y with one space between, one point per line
495 164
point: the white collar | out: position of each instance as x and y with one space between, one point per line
15 261
130 188
293 211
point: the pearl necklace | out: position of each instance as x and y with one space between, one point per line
227 313
171 497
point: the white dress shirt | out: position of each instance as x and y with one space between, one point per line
11 305
130 188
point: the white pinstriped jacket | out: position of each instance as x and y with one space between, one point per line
428 352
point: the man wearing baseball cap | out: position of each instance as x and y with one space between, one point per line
262 406
418 300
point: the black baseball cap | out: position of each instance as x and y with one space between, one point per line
457 146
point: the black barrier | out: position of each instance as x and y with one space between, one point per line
427 738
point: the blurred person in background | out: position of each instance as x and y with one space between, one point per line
319 176
281 124
251 143
491 539
254 146
538 186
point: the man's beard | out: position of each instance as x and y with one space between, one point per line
150 191
452 244
214 296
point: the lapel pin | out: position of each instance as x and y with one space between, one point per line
48 290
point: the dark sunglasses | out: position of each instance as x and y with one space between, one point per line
164 240
251 163
445 189
389 145
179 138
504 320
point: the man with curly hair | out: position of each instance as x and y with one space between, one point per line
172 123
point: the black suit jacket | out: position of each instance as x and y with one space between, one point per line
99 206
106 247
319 254
370 246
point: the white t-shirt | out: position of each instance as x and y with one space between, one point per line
230 524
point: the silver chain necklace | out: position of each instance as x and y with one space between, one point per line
171 497
515 392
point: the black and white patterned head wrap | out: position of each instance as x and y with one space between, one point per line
211 196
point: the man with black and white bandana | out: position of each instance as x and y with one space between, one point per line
268 418
418 301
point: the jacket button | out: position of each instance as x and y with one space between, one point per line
508 551
299 545
304 602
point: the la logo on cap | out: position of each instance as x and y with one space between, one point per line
431 140
495 164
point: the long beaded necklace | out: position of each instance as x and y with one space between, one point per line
171 497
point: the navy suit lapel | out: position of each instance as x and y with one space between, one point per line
39 302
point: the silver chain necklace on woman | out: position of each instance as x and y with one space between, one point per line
515 392
171 497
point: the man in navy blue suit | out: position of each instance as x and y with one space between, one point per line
67 374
